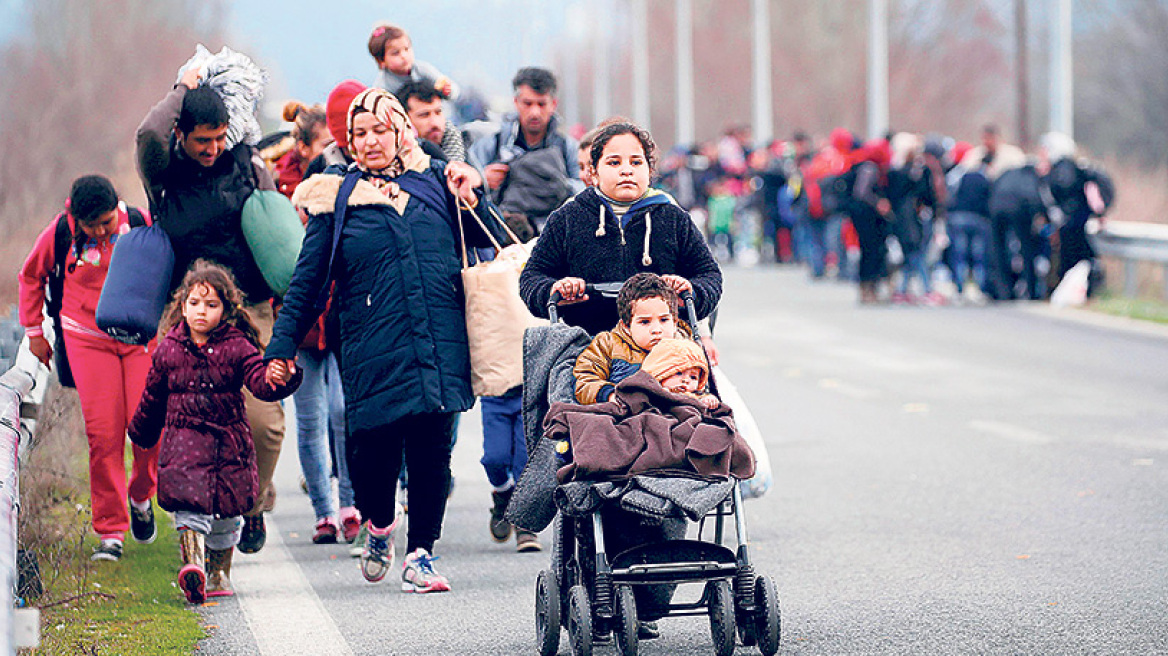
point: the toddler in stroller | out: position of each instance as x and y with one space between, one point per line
636 506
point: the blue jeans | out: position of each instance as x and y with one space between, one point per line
504 445
969 233
825 238
320 410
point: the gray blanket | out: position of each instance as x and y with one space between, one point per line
549 353
652 496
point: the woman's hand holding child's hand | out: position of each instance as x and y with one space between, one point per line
279 372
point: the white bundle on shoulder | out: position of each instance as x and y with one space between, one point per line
240 82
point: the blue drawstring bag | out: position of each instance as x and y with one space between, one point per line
274 234
137 285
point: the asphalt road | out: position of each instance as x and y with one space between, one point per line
961 480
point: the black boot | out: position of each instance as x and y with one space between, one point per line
500 528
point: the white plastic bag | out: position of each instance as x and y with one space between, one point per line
763 477
1072 289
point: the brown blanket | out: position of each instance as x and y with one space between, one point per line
645 428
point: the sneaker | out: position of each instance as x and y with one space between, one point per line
500 528
326 531
358 545
110 549
350 524
142 526
254 534
377 557
418 574
526 541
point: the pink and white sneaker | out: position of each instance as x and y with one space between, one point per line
418 574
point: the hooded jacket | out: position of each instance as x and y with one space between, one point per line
611 357
584 239
194 404
398 298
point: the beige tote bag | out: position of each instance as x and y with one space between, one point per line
496 316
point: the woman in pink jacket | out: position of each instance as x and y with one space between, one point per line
108 374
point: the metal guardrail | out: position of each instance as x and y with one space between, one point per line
1132 243
22 389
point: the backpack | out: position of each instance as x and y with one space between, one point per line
62 244
836 191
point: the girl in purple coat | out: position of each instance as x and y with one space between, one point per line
194 403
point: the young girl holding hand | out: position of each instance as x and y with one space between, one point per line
194 403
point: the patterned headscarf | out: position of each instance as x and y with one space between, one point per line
407 156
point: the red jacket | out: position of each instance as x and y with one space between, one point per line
84 277
193 402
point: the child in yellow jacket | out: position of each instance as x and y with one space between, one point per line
647 307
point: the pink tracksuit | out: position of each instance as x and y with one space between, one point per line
109 375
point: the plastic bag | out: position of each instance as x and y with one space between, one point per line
763 478
1072 289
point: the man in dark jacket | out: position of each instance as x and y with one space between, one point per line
197 188
522 161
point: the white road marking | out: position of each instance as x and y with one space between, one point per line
1012 432
847 389
282 610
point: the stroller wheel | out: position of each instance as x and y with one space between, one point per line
627 626
580 621
721 616
547 613
766 619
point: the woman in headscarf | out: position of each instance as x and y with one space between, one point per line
404 362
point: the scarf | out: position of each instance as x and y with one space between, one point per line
406 155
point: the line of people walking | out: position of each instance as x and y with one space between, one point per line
904 216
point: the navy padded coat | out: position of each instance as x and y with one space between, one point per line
398 297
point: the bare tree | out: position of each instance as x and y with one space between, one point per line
73 87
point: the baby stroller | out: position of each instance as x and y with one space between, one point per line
590 592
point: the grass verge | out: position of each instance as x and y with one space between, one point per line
1133 308
128 608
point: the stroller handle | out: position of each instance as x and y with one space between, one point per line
604 289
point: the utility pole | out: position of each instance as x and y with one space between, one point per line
1062 94
877 68
601 105
763 111
641 108
1021 73
686 131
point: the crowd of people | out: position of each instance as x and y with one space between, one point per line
369 336
912 219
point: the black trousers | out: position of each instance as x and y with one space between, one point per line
375 460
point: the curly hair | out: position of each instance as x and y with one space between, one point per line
607 132
641 286
209 274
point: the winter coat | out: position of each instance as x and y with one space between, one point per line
200 207
193 402
655 235
398 297
505 147
646 428
1067 181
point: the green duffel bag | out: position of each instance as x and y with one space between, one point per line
274 233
